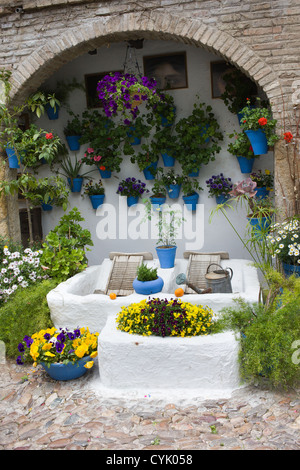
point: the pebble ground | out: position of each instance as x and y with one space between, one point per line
38 413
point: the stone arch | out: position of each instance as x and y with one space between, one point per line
35 68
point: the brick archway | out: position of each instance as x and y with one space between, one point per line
35 68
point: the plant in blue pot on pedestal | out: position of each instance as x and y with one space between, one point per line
96 193
260 128
64 354
284 244
147 281
241 148
197 139
133 189
190 189
264 183
219 187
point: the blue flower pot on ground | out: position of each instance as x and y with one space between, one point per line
261 193
258 141
174 190
75 184
51 113
97 200
168 159
222 198
148 287
246 164
132 200
73 142
12 158
166 256
148 172
191 201
70 371
290 269
105 174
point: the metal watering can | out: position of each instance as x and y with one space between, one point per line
219 280
181 279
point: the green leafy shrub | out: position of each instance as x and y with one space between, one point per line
146 274
24 314
64 247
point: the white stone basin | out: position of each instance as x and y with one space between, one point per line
72 303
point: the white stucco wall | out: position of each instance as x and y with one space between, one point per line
210 237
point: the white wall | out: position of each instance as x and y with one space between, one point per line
218 235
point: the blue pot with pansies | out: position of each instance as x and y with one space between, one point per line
219 187
132 188
132 200
96 200
69 371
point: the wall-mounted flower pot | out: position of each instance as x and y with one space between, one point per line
191 201
290 269
166 256
168 159
13 161
51 113
165 122
246 164
148 287
259 226
240 115
97 200
258 141
261 193
134 139
75 184
158 200
173 190
105 174
132 200
194 173
73 142
222 198
46 207
148 171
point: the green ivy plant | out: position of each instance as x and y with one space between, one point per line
64 248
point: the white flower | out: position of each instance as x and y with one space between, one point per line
24 284
281 245
6 280
20 278
3 270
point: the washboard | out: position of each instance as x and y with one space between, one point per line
123 272
197 267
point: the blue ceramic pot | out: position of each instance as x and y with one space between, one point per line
166 256
149 175
157 200
258 141
246 164
68 371
290 269
105 174
222 198
12 158
75 184
260 226
134 139
165 122
52 115
132 200
191 201
168 159
173 190
73 142
97 200
46 207
148 287
194 173
261 193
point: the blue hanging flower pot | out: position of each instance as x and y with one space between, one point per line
258 140
173 190
246 164
73 142
168 159
261 193
13 161
133 138
46 207
149 171
51 112
132 200
222 198
158 200
191 201
97 200
105 174
75 184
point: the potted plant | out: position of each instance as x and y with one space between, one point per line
219 187
147 281
238 87
190 195
73 131
259 127
105 139
96 193
39 146
64 354
172 182
47 192
147 160
264 183
72 171
243 151
133 189
166 145
197 139
159 192
164 110
284 243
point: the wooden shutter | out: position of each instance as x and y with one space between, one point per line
197 268
123 273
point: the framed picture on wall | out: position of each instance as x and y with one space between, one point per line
169 70
91 82
217 71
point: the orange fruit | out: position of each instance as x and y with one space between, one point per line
179 292
113 296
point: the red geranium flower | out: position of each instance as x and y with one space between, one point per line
49 136
262 121
288 136
102 168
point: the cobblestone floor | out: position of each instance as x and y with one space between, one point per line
38 413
